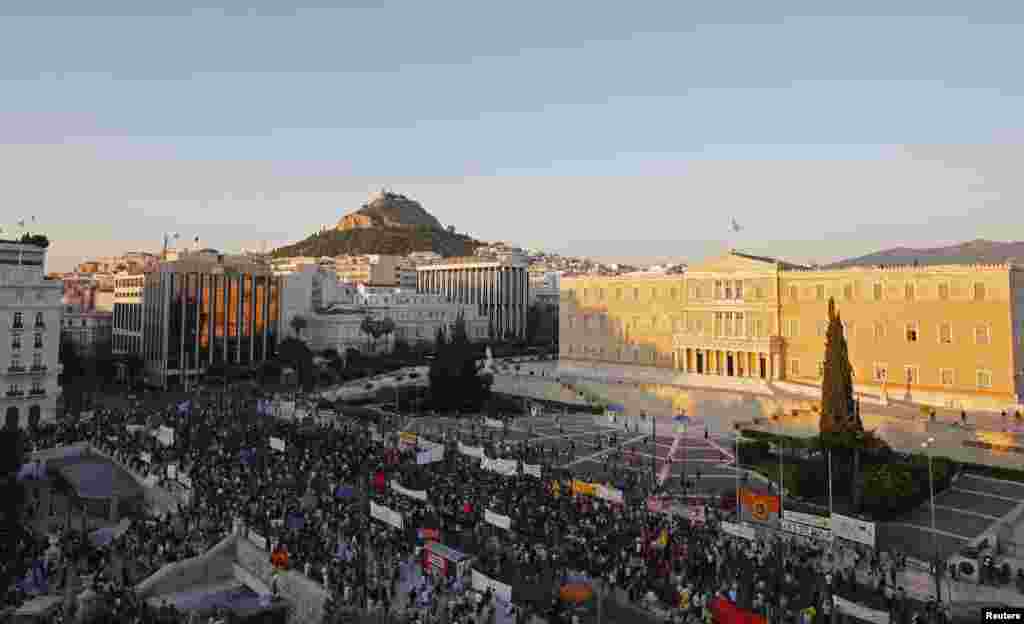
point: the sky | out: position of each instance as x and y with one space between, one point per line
619 130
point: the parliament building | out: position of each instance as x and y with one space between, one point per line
940 335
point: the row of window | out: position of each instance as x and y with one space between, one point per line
37 342
733 290
981 334
16 389
622 354
911 374
37 362
18 321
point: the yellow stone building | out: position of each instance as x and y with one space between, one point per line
946 335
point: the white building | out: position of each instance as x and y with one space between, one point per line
127 323
30 316
334 312
499 288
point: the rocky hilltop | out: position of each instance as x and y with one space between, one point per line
389 223
978 251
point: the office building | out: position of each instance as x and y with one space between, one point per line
30 316
499 287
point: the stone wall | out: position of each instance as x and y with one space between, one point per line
212 567
306 596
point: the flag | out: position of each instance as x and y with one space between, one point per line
763 508
184 406
433 535
21 223
734 226
662 540
344 491
666 468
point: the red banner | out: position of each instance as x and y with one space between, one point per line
726 612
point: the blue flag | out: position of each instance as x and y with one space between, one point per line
184 407
344 491
296 520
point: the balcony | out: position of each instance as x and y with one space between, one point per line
37 392
39 325
15 394
15 346
38 368
17 327
15 370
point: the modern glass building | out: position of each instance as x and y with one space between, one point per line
206 309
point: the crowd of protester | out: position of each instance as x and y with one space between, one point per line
308 500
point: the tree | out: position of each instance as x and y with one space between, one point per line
71 374
454 376
387 327
298 356
13 494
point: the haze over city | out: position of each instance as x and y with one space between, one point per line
610 130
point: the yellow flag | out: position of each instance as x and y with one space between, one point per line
663 538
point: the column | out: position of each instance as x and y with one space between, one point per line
774 367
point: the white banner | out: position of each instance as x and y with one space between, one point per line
493 423
738 530
853 529
258 539
277 444
146 457
471 451
328 413
386 515
695 514
165 435
172 471
420 495
185 480
506 467
806 530
482 583
497 520
609 493
432 452
859 611
821 522
532 469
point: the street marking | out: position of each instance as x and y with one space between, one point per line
597 454
966 512
930 530
977 493
992 479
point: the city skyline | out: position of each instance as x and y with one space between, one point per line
633 134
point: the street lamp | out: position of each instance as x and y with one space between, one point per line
927 446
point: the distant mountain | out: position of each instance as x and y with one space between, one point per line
977 251
389 223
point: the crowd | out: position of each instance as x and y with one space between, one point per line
307 500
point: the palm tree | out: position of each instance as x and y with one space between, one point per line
298 323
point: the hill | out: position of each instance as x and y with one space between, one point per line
390 224
977 251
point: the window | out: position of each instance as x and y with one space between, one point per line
946 376
16 344
572 322
821 369
979 291
793 293
728 289
792 328
654 293
758 330
880 372
586 294
982 335
794 367
911 375
740 327
739 289
879 330
876 292
822 328
39 319
908 292
911 332
674 293
694 292
600 294
37 361
636 355
819 292
19 320
758 292
984 378
618 294
944 291
946 333
572 293
718 289
699 325
636 294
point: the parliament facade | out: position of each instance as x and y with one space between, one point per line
947 335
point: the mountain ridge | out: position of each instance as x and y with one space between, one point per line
977 251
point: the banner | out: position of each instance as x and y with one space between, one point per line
806 530
493 423
471 451
172 472
386 515
763 508
726 612
656 505
608 493
738 530
532 470
859 611
821 522
432 452
497 520
277 444
146 457
420 495
584 488
506 467
853 529
482 583
407 440
185 480
165 435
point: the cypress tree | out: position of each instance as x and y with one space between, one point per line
837 406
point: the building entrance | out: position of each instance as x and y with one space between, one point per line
763 367
729 365
700 363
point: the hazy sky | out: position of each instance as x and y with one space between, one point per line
613 129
